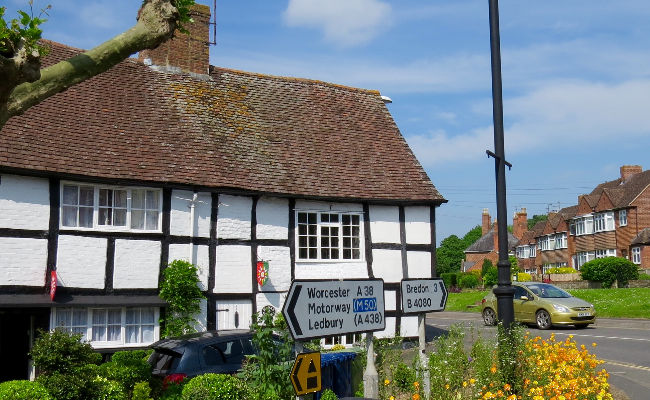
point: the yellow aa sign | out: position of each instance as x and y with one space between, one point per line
305 374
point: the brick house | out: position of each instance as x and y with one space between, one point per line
610 221
165 157
487 246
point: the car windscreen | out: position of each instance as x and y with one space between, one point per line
548 291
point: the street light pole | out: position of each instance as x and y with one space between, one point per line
504 291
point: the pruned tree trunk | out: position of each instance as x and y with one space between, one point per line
23 84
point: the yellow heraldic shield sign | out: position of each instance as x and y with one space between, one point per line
305 374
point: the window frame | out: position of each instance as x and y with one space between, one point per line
582 225
96 207
561 240
319 226
636 255
602 253
622 217
101 344
604 222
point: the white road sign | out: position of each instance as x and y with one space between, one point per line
315 309
423 295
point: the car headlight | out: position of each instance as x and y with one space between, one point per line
561 308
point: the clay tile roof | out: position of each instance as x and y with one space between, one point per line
568 212
527 238
624 193
643 237
486 243
232 130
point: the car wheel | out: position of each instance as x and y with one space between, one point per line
543 319
489 317
581 326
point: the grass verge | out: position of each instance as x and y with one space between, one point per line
610 303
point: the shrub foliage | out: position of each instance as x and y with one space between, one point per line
180 289
23 390
610 269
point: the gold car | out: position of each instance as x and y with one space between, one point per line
544 305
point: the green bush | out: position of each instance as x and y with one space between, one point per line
449 279
61 351
328 395
563 270
491 277
141 391
524 277
644 276
487 264
174 390
610 269
180 289
469 281
403 376
127 368
214 387
23 390
80 383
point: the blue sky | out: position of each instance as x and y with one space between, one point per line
576 80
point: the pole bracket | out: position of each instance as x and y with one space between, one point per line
491 154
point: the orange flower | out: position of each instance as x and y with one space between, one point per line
506 387
417 385
416 397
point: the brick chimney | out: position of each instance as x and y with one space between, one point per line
187 53
487 222
520 223
629 170
496 236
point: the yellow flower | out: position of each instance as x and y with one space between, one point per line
593 344
391 398
464 384
386 382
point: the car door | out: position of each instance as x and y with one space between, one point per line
520 305
222 357
528 307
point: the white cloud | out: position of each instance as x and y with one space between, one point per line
345 22
439 148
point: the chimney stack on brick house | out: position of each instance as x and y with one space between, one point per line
185 53
520 223
486 223
495 236
628 170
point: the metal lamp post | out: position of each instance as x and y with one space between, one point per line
504 291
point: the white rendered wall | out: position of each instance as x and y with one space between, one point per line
201 324
270 299
200 258
234 219
23 261
81 262
181 211
387 264
234 270
384 224
390 298
419 264
279 260
308 205
24 202
409 326
137 264
389 332
418 226
272 218
321 270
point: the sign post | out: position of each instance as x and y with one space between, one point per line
420 296
315 309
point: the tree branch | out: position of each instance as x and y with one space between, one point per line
157 22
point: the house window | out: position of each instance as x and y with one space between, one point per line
105 327
533 251
560 241
604 222
622 217
110 208
546 242
346 340
582 226
582 257
329 236
636 255
606 253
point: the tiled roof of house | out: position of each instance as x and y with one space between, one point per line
233 131
623 193
643 237
486 243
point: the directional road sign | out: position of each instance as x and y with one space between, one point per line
315 309
306 374
423 295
